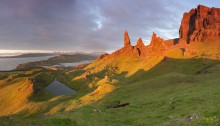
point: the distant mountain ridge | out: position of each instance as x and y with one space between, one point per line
26 55
63 58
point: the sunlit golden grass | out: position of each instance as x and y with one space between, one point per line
14 96
93 97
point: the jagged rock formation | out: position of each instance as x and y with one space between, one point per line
200 24
140 44
157 46
139 49
126 39
127 49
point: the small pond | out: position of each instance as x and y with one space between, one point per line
57 88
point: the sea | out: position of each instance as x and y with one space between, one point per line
7 64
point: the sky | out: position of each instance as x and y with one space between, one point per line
88 25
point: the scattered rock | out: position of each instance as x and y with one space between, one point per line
6 117
97 110
172 104
118 105
192 117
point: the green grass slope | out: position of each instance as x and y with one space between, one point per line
170 90
164 95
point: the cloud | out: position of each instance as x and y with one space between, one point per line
87 25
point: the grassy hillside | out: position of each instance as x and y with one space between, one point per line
172 90
158 99
164 95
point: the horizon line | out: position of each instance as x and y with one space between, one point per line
14 51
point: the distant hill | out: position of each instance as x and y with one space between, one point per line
63 58
27 55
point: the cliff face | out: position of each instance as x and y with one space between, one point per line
200 24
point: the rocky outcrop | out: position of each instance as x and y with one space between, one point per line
37 85
127 49
126 39
157 46
81 66
102 56
140 48
200 24
140 44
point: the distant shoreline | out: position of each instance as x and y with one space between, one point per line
28 55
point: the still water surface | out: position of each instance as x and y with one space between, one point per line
58 88
11 63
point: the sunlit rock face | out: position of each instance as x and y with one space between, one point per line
200 24
126 39
140 48
157 46
127 49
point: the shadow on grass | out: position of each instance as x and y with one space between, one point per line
60 122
